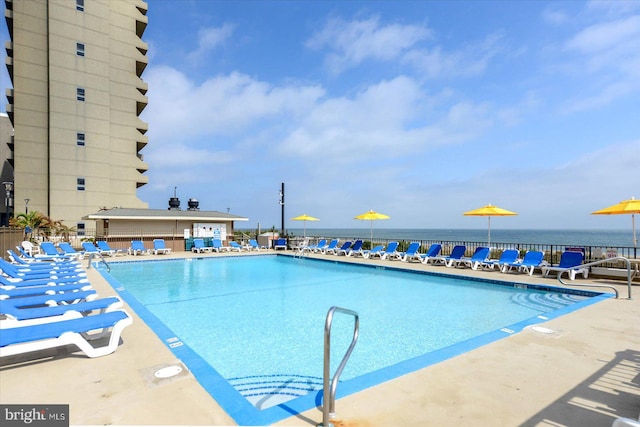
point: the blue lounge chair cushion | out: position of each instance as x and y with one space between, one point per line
456 254
391 251
434 251
47 289
16 313
529 263
508 256
40 300
56 329
159 247
411 253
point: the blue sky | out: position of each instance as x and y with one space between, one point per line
418 109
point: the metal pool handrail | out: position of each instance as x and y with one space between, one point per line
602 261
329 392
101 258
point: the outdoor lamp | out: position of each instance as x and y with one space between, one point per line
8 186
26 206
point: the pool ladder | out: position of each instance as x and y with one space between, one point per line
329 390
99 255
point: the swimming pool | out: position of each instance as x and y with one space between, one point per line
250 329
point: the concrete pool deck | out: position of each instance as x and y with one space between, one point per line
585 373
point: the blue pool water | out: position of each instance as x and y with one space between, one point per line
251 328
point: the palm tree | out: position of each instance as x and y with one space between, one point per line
31 222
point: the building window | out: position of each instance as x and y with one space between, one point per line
80 139
80 5
80 229
80 94
80 186
80 49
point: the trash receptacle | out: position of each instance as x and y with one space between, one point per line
188 244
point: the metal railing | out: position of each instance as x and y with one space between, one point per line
592 285
90 260
552 251
329 391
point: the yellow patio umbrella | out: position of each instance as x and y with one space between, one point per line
631 206
372 216
489 211
305 218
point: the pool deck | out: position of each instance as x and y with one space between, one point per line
585 373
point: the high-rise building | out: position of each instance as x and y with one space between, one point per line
76 68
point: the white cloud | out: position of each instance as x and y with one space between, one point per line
210 39
608 53
612 8
388 120
470 60
222 105
555 17
606 35
351 43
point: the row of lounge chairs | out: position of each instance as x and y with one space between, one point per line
48 303
509 261
49 251
199 246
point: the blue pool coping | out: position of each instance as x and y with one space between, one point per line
244 413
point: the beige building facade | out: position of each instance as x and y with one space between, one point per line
76 70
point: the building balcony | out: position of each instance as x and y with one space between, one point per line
142 7
142 86
8 61
142 126
141 142
142 46
141 102
8 16
9 108
141 25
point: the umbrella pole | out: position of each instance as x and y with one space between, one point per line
633 227
489 233
371 233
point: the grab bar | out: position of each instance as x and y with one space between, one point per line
329 392
601 261
101 257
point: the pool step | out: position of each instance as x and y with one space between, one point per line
546 302
264 391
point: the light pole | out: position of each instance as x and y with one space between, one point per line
8 185
26 206
282 208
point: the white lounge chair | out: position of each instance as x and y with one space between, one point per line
411 253
59 333
137 248
160 248
391 251
105 249
570 262
17 316
199 247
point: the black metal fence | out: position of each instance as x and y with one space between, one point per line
552 251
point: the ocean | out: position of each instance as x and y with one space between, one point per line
595 238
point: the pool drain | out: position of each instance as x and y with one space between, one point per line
168 372
542 330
